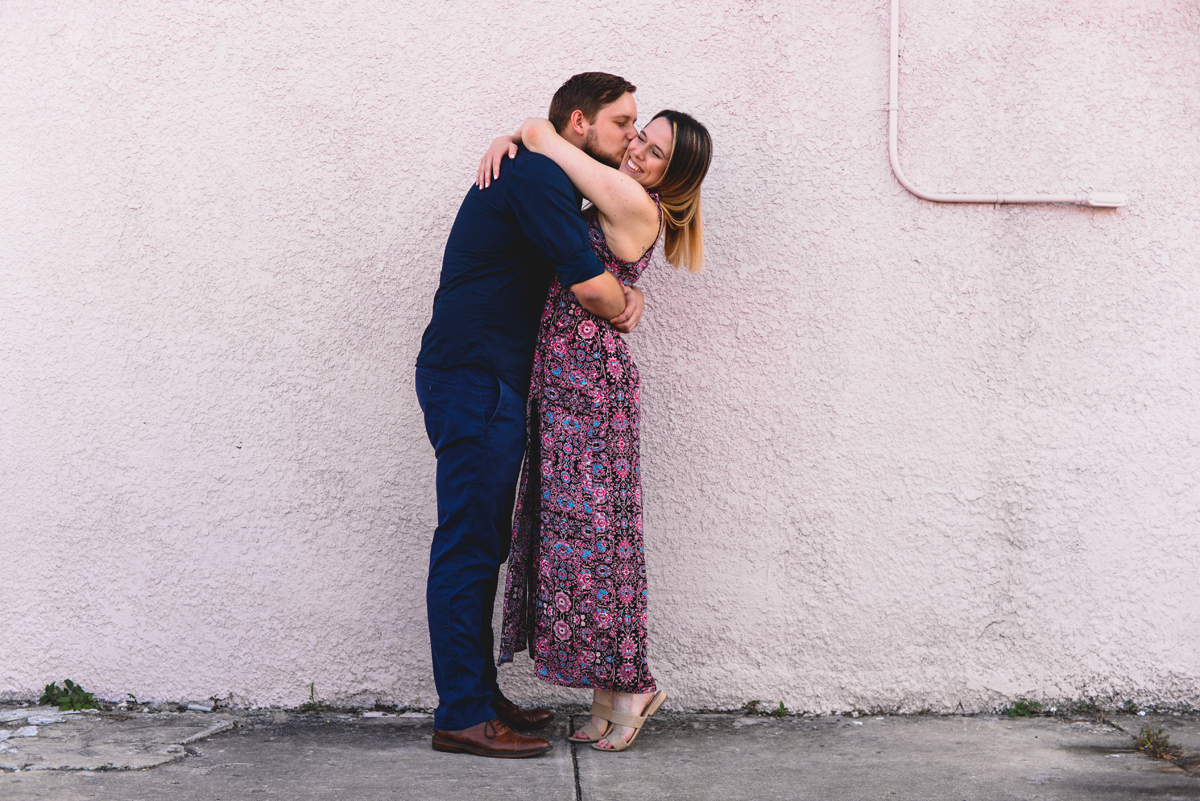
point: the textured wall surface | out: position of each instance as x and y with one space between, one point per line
897 454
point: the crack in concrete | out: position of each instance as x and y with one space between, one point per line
575 758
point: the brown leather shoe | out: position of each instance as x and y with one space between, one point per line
491 739
524 719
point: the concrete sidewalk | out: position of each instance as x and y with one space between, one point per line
263 754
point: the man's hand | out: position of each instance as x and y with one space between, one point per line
627 320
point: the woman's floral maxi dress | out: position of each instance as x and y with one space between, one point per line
576 588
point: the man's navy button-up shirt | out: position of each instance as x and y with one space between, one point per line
507 242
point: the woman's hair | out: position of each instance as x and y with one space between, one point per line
588 92
679 190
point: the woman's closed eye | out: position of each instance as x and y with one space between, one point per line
654 151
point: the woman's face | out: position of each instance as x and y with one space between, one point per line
646 157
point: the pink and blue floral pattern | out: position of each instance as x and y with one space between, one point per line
576 589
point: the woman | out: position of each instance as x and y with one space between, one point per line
576 587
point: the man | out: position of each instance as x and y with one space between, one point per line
472 377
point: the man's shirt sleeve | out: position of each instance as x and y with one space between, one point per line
547 210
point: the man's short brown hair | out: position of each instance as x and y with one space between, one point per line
589 92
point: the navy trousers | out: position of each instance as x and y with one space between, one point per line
476 424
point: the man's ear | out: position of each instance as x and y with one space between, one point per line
577 122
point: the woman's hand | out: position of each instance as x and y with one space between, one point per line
489 165
530 134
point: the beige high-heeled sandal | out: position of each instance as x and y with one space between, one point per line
635 722
594 735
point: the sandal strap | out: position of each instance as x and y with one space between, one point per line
594 731
632 721
600 710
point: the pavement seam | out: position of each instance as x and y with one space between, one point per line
1188 763
575 758
217 728
1108 722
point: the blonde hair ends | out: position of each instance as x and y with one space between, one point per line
679 190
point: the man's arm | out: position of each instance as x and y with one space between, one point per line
603 295
547 210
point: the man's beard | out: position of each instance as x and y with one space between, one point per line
592 148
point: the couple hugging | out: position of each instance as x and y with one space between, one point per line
524 357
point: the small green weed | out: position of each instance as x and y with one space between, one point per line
70 697
1024 708
1130 708
1155 743
756 707
312 704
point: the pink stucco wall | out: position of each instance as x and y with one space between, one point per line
897 454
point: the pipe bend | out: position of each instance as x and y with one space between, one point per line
1108 200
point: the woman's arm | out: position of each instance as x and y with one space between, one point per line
621 201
